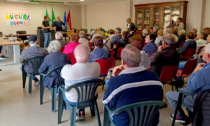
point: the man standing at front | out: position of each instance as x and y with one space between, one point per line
130 83
58 24
131 27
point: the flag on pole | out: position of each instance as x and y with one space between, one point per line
69 19
64 19
48 16
53 16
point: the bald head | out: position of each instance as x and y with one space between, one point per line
82 53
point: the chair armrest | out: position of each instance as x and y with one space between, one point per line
62 88
46 74
185 93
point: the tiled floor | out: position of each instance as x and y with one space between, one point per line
18 108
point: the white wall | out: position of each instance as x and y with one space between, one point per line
206 14
107 15
37 12
112 15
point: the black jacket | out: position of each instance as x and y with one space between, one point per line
201 111
168 56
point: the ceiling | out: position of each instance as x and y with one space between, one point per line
78 2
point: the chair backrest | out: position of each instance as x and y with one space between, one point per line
199 49
90 44
21 37
189 53
181 44
201 109
62 48
72 58
105 65
111 52
119 52
55 73
86 91
141 113
189 67
1 34
32 65
168 72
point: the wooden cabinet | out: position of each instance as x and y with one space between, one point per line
160 14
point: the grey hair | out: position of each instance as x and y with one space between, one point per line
54 46
58 35
145 32
82 34
168 31
82 53
182 32
207 48
131 56
169 39
155 28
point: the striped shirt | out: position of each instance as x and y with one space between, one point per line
130 86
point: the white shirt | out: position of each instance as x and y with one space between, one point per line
77 73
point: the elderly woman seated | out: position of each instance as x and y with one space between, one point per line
99 52
73 43
51 61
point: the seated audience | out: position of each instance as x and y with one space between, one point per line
99 52
150 46
159 38
123 42
194 30
139 43
144 34
121 90
206 32
59 37
168 56
31 52
81 71
69 48
189 43
116 39
175 34
155 30
51 61
98 32
198 82
200 41
181 38
82 39
111 34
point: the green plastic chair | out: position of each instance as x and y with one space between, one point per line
87 97
35 62
180 102
144 117
53 90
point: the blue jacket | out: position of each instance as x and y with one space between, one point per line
115 39
199 81
50 62
99 53
190 43
132 85
150 48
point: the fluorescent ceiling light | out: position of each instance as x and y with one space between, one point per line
82 0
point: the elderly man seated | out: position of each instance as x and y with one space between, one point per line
121 90
59 37
198 81
167 56
31 52
82 70
51 61
116 39
82 38
99 52
150 46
